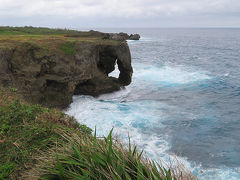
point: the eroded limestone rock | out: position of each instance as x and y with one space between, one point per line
51 77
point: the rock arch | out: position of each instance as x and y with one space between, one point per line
52 77
110 55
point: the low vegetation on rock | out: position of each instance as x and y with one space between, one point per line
29 30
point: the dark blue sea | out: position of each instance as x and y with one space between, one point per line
184 100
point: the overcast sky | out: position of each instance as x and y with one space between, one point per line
120 13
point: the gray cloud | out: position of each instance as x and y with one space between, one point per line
128 13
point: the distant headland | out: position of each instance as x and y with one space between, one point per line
49 66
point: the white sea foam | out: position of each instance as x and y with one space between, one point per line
168 75
137 117
108 111
133 118
127 118
226 74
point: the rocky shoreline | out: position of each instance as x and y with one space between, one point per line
50 71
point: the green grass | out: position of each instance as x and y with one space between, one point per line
69 48
6 169
42 143
91 158
25 130
62 40
28 30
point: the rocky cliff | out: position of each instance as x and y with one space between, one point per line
122 36
49 71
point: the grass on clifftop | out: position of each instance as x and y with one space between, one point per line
29 30
47 37
42 143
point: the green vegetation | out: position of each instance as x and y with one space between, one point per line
69 48
28 30
42 143
13 89
33 31
26 130
49 38
86 157
5 170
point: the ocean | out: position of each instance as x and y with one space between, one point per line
184 100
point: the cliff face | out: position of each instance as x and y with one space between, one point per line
52 75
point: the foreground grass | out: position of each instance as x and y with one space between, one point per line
26 130
92 158
41 143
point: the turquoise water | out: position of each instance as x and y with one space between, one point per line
184 100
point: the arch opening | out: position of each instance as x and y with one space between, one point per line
116 72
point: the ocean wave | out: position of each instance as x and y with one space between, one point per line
169 75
